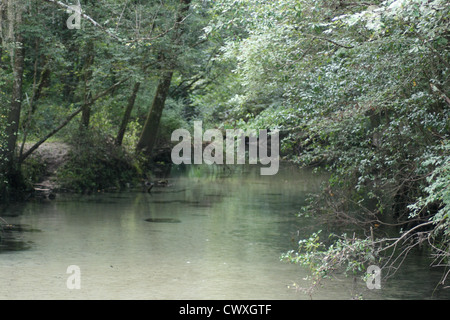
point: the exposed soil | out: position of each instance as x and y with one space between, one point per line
53 155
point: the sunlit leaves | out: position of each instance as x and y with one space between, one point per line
350 85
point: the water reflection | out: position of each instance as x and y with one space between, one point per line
11 235
231 227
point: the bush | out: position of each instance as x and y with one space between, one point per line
33 169
95 163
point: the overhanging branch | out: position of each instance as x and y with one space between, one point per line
85 16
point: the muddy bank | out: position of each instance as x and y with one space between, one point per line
50 156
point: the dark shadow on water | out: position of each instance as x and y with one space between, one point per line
11 245
163 220
175 201
167 191
11 237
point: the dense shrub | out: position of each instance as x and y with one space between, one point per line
95 163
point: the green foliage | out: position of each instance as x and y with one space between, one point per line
96 164
66 68
359 91
353 93
437 190
131 136
171 120
348 256
33 169
3 179
5 78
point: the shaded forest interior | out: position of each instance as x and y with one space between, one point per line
357 89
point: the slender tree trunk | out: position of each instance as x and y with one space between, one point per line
43 82
85 115
86 112
126 116
148 137
37 89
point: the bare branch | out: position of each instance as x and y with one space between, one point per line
175 25
406 234
85 16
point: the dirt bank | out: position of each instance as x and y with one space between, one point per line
53 155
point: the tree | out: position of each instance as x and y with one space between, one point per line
358 90
149 133
127 113
12 41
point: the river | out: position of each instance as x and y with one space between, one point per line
212 233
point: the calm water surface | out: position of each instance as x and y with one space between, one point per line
210 235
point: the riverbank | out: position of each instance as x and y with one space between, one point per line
89 164
50 156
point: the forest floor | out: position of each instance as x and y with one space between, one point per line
52 155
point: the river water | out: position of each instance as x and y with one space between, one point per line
212 233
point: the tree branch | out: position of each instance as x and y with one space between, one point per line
68 119
85 16
176 23
440 93
329 40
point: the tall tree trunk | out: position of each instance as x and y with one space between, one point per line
13 41
10 20
86 111
126 116
85 115
148 137
16 101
